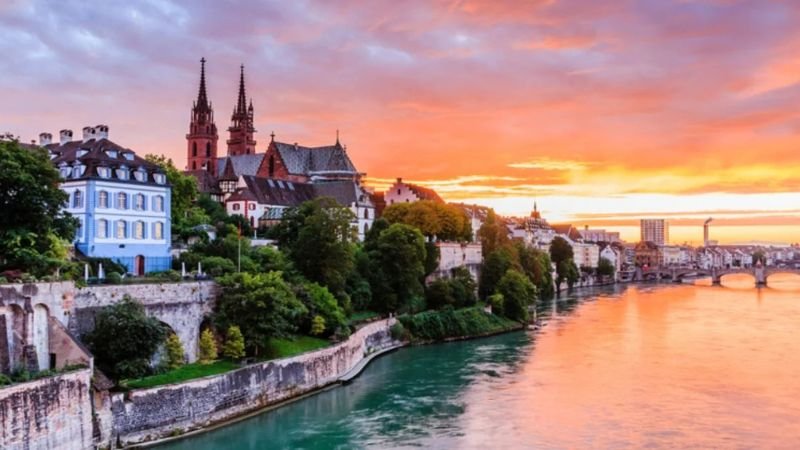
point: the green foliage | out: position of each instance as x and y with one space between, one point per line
174 352
497 302
605 268
217 266
34 230
450 323
494 266
262 305
399 332
439 294
317 237
358 287
397 267
208 347
536 265
294 345
317 325
567 271
464 287
493 234
124 339
113 278
434 220
561 254
518 293
234 344
184 192
320 302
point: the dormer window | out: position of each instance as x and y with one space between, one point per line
104 172
160 178
81 152
64 172
111 153
123 173
78 170
128 156
141 175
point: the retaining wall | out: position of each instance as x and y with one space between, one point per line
53 413
148 414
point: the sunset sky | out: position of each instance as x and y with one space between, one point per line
602 111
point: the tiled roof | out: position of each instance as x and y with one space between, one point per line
242 164
305 160
269 191
344 192
424 193
205 180
100 153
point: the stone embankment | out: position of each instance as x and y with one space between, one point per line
155 413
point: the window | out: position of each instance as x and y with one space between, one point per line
160 178
139 202
271 165
194 148
398 192
158 230
235 206
64 172
141 175
78 170
102 228
122 173
121 229
251 206
111 153
208 149
194 165
138 230
122 200
102 199
77 199
128 156
104 172
158 203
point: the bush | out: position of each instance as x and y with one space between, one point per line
217 266
439 325
208 347
317 325
5 380
113 278
234 344
174 352
497 301
518 293
439 294
399 332
168 275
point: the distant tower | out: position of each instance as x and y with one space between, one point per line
201 149
241 130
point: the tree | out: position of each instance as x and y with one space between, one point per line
439 294
262 305
317 325
184 191
561 254
433 219
124 339
397 261
174 352
494 266
208 347
518 293
34 229
318 238
464 287
537 266
234 344
493 234
605 268
759 256
567 271
321 303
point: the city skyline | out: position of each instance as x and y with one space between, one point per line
604 113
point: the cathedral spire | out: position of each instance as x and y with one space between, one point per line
202 98
241 105
241 140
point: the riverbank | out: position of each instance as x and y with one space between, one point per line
442 326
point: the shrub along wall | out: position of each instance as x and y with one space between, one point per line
452 324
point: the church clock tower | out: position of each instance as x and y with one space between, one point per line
201 150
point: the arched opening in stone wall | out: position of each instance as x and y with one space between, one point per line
15 327
41 337
160 355
219 335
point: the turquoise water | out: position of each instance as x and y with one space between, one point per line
656 367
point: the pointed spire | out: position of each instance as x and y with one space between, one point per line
337 138
272 137
202 98
241 105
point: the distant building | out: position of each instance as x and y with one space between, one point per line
647 254
655 231
402 192
599 235
121 201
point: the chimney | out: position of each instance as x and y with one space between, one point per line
65 136
45 139
399 180
101 132
88 133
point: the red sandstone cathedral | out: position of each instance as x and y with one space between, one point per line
261 186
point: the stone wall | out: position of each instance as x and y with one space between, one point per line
149 414
51 413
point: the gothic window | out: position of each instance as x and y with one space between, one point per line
102 199
158 230
208 149
121 229
102 228
271 166
194 165
138 230
122 200
77 199
194 148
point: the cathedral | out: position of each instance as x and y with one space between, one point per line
261 185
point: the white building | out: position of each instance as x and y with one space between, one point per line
401 192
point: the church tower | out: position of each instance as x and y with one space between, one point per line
241 130
201 149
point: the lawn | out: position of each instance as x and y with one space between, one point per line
285 347
183 373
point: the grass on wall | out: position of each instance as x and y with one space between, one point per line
286 347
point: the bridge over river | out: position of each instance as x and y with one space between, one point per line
678 274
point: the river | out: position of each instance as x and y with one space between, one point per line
657 366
